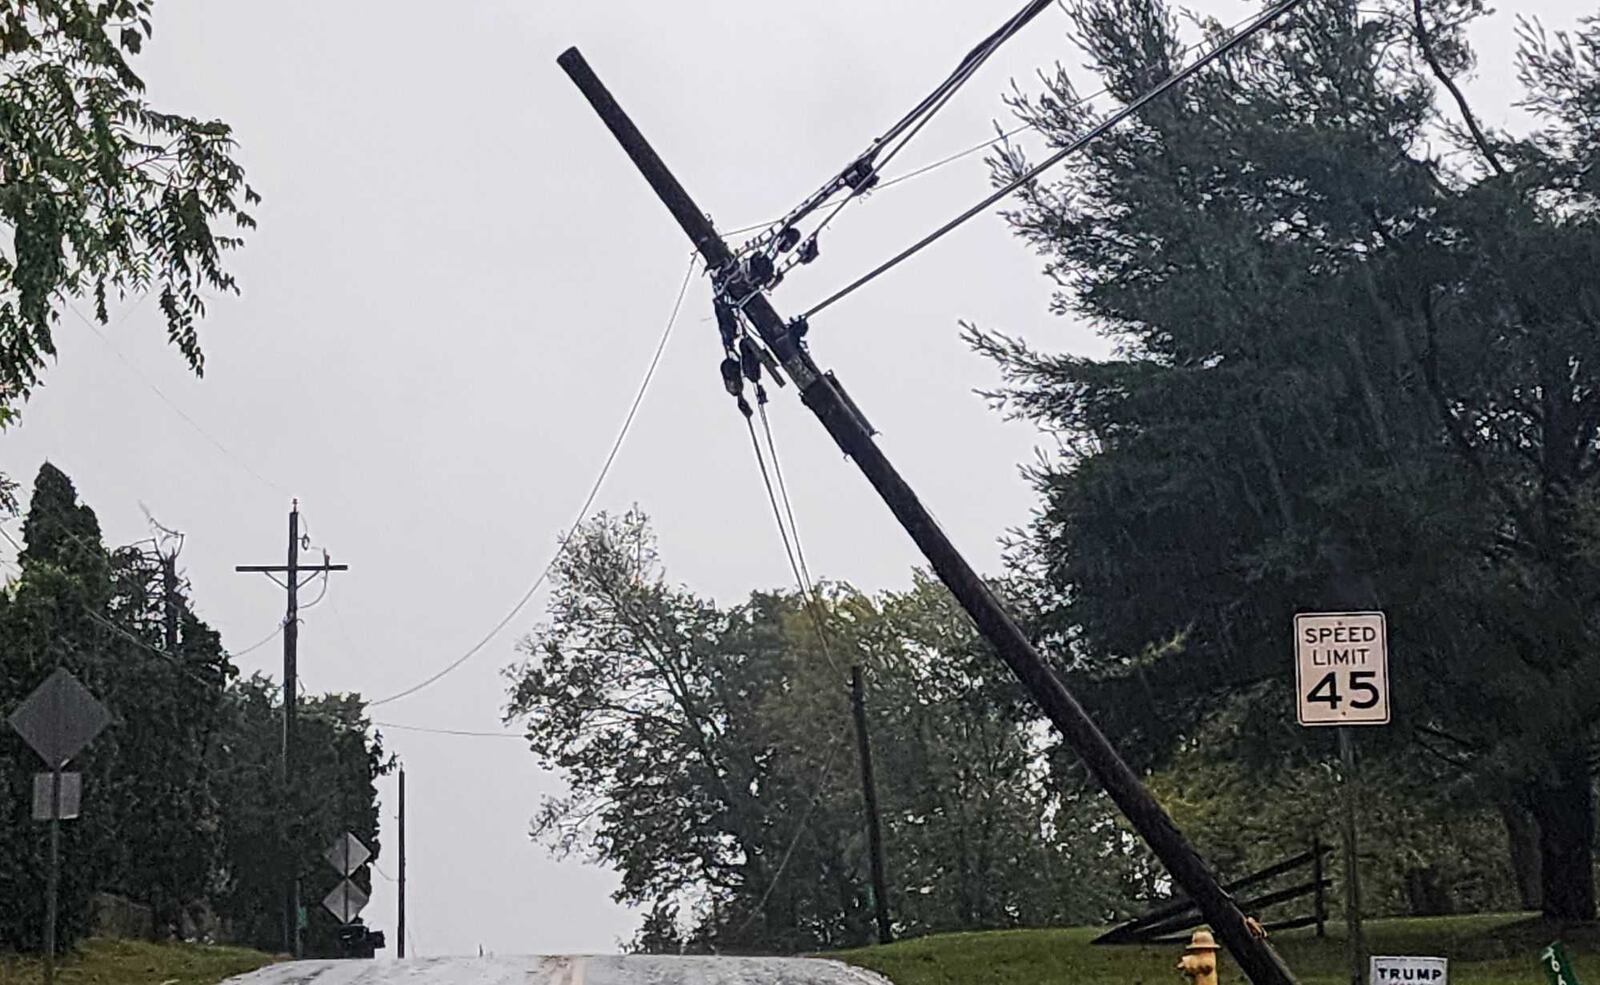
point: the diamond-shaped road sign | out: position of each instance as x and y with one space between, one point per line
59 718
71 795
345 902
347 854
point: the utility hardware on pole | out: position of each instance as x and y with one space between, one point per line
292 569
824 395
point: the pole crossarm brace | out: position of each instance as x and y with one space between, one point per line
822 393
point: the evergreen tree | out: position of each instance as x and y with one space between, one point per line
1352 372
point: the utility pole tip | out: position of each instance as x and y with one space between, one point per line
572 56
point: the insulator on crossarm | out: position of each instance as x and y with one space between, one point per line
788 239
809 250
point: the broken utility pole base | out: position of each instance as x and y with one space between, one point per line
822 394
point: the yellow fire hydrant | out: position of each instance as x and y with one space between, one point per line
1199 961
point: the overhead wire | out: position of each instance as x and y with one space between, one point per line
177 662
995 141
81 543
809 596
1235 39
860 175
257 645
799 832
583 512
468 733
172 405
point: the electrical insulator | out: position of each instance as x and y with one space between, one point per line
809 250
750 360
788 239
758 270
731 378
727 322
798 328
860 176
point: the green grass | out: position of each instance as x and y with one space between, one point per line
1500 949
119 962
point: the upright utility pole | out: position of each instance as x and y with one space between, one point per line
869 793
822 393
169 602
291 569
400 922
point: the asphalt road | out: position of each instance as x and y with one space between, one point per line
609 970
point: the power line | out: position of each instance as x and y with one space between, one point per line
82 543
177 661
800 830
213 439
862 172
468 733
583 512
258 645
1233 41
994 141
791 532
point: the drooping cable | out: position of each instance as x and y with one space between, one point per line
583 512
810 598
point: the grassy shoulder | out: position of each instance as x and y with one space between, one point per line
121 962
1498 949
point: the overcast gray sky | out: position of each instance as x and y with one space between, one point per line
456 285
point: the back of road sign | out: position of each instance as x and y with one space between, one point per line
71 795
1341 668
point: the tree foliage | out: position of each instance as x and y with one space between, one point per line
102 195
1357 367
711 761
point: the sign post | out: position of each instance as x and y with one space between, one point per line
1342 680
57 720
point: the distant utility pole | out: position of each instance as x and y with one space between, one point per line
826 398
169 602
869 791
291 570
400 923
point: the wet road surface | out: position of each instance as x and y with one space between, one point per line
605 970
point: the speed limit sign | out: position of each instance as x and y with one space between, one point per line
1341 668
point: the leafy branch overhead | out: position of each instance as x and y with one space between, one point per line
102 195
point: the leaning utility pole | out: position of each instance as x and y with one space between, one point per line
869 793
400 922
826 398
291 570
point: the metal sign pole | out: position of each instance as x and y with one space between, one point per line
1352 877
53 880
